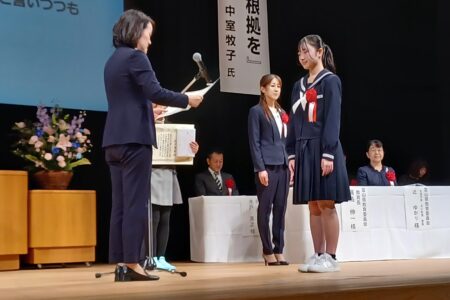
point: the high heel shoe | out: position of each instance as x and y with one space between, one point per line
270 263
281 260
123 273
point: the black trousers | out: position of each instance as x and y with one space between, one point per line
272 199
130 167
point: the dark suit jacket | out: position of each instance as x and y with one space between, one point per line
131 87
205 185
266 145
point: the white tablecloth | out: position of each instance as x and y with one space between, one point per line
224 229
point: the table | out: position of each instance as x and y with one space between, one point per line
222 228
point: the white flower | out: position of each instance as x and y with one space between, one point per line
51 139
20 124
48 156
62 164
63 125
60 158
64 142
38 145
33 140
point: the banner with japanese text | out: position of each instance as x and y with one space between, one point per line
243 45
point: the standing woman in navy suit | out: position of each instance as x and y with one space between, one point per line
315 152
131 87
267 131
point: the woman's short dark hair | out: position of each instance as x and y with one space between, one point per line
129 28
376 143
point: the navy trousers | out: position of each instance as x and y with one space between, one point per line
272 198
130 167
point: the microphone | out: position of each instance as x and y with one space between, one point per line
197 57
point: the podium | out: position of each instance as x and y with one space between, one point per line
224 229
13 218
62 226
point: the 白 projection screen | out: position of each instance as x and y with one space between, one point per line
53 52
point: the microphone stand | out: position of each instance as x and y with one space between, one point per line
149 263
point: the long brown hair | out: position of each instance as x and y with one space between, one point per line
266 80
316 41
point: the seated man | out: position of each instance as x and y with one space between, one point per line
213 182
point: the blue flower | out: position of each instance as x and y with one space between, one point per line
39 132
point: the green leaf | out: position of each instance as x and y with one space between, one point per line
81 162
31 158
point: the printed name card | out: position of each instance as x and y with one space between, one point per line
354 213
417 208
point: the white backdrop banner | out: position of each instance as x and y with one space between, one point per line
243 45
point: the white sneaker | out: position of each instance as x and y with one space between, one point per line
311 261
325 264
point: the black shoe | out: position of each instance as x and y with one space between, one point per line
123 273
283 263
270 263
118 273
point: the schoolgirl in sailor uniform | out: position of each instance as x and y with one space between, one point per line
316 158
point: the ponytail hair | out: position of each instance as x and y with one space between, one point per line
316 41
328 59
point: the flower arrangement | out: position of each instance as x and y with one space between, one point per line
56 142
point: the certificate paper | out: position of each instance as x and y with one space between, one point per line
173 144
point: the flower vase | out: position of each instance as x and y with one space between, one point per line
53 180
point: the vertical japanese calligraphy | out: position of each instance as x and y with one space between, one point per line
417 207
243 45
354 213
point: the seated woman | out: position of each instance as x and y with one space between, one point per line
418 173
376 174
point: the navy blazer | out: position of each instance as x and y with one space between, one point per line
367 175
205 185
131 87
267 147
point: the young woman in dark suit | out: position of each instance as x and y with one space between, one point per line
131 87
267 132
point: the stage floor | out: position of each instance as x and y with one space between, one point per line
395 279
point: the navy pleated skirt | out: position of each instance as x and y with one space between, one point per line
309 184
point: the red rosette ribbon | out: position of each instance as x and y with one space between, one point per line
311 98
229 183
390 175
284 118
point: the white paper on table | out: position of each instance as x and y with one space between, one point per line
417 208
184 137
174 110
354 213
